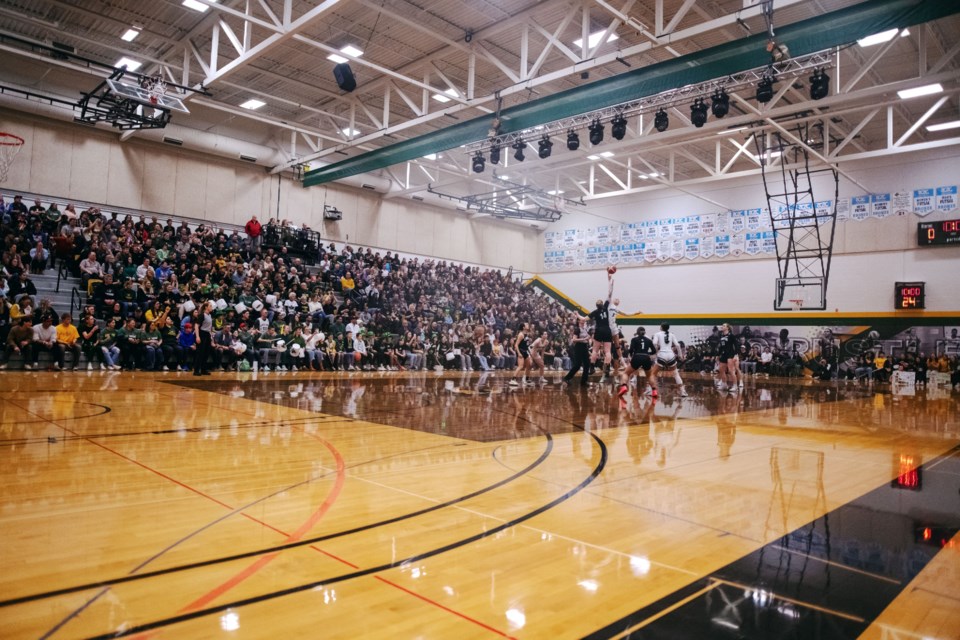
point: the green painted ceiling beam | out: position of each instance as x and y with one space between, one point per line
816 34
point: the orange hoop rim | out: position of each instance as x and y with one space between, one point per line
16 142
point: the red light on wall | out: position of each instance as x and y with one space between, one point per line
927 534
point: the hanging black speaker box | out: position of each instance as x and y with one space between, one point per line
344 77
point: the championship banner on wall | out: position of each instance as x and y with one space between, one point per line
859 208
708 224
737 244
663 253
824 209
650 251
946 199
754 219
722 246
902 203
923 202
569 238
676 250
706 247
880 202
665 228
691 249
550 240
843 209
738 221
769 242
723 222
603 235
679 227
652 232
693 226
752 243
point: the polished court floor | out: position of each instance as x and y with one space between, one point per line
390 505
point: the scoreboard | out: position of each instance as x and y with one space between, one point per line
938 233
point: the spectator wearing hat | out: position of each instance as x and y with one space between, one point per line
186 346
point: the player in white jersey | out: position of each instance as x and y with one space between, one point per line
615 347
667 349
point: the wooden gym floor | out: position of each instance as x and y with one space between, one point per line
385 505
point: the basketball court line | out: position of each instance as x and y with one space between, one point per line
148 626
277 548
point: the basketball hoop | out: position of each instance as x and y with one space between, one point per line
155 87
10 146
796 304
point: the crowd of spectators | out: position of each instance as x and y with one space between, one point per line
145 282
280 302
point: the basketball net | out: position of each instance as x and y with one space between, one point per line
10 146
156 88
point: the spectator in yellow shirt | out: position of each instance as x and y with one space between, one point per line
67 340
346 283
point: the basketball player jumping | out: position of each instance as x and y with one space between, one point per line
602 335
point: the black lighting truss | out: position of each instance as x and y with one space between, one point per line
785 70
513 200
803 229
103 105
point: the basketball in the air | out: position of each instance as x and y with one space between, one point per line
611 270
874 335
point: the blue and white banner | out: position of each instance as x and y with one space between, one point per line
754 219
752 243
569 238
738 221
881 205
691 250
708 224
652 231
666 228
722 246
769 242
693 226
679 227
923 202
651 251
946 199
859 208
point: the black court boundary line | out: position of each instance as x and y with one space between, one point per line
628 624
300 543
162 432
105 411
601 464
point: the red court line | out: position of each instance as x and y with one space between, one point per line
263 561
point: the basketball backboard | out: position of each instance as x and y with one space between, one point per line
146 97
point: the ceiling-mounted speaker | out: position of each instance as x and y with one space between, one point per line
344 77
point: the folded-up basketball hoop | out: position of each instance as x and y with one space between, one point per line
10 146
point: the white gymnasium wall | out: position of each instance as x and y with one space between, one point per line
869 256
81 163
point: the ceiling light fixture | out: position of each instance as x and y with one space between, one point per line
131 65
596 132
765 90
661 121
698 113
925 90
196 6
594 39
495 154
252 104
544 147
618 126
883 36
819 85
518 148
350 50
944 126
720 103
130 34
573 140
478 162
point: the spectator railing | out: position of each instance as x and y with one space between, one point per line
76 300
63 271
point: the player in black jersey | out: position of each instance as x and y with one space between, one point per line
522 346
602 335
641 359
727 356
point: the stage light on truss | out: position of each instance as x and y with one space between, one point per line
573 140
661 121
618 126
596 131
544 147
765 90
495 154
819 85
518 148
698 113
478 162
720 103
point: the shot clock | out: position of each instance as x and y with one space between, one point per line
937 233
909 295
